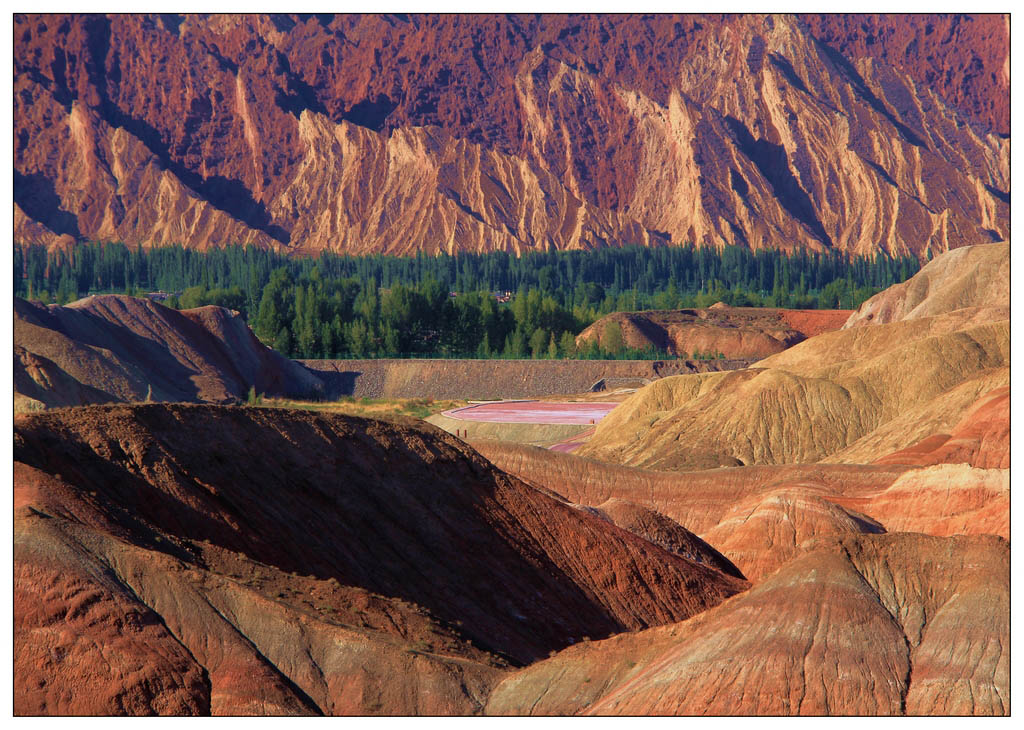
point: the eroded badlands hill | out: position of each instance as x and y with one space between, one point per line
855 394
116 348
760 517
976 277
882 625
357 134
749 333
250 561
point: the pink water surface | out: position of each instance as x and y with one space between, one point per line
533 412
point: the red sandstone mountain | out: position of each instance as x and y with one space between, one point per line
397 134
119 348
964 57
251 561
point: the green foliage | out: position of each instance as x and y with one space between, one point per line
448 306
254 398
612 341
567 345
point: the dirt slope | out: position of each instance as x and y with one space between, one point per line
834 393
119 348
353 133
972 277
39 382
871 625
663 531
981 438
421 560
736 332
760 517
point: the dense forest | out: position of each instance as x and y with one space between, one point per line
469 305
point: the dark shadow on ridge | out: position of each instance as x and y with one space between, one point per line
38 197
229 195
772 163
371 113
861 87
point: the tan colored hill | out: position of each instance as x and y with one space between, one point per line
834 392
868 625
262 561
749 333
119 348
774 415
354 134
934 418
975 277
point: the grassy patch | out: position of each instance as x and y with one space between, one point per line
371 407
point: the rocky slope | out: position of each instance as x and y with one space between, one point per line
760 517
882 625
258 561
118 348
750 333
353 133
965 57
976 277
843 395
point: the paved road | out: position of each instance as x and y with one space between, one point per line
534 412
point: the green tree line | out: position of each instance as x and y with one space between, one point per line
448 306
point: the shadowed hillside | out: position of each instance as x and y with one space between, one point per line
119 348
268 541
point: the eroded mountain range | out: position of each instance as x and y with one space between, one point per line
397 134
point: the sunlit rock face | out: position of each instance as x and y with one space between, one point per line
356 134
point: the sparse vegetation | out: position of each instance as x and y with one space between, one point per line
369 407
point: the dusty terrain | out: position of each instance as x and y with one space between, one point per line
821 532
275 561
119 348
758 516
854 394
352 133
303 563
867 625
738 333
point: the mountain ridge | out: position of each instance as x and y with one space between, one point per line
739 130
